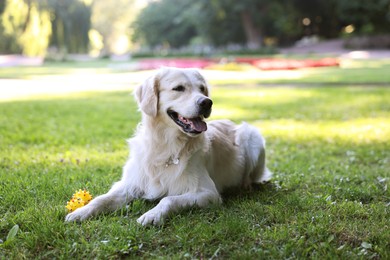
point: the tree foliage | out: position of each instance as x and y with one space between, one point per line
77 26
24 28
367 16
223 24
249 22
322 15
168 22
71 21
112 19
31 26
219 22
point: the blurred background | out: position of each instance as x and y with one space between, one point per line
79 29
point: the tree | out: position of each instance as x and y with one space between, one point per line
366 16
168 22
112 20
219 22
248 21
322 17
25 28
70 25
30 26
251 14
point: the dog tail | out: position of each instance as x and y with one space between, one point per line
253 145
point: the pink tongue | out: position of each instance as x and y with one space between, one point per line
198 125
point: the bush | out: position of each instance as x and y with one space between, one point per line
186 53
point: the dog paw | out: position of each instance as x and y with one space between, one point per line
78 215
152 217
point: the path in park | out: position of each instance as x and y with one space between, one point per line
89 81
335 48
72 83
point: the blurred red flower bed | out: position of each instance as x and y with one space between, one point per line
288 64
149 64
260 63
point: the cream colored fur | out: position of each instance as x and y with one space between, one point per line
182 169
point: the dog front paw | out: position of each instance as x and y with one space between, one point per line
152 217
79 214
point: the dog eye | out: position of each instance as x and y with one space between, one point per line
179 88
202 88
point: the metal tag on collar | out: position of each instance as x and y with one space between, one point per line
171 161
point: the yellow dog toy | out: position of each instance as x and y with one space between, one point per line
78 200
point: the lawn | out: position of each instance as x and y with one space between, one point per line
368 72
329 148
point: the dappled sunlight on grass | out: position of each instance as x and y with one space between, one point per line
254 76
359 63
248 104
303 104
252 94
228 112
354 115
358 131
78 95
15 89
63 157
349 72
323 125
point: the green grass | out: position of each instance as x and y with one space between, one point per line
361 72
61 68
367 72
329 148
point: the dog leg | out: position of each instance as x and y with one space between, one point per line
205 195
117 197
172 204
253 143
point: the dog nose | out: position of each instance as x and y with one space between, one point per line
205 105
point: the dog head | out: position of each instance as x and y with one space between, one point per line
176 96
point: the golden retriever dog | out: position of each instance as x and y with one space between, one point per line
177 156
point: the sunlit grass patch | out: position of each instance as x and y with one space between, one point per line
359 131
55 68
364 71
364 63
310 104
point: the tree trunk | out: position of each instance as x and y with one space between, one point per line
26 22
253 34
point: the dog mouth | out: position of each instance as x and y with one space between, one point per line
189 125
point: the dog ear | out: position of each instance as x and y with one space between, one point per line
147 96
